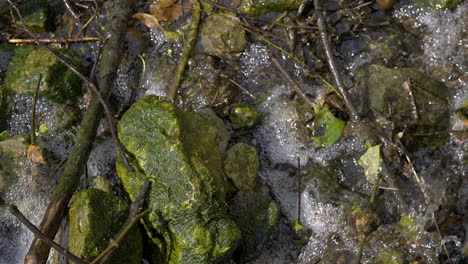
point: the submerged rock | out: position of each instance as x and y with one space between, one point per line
221 36
179 151
383 95
257 216
58 83
241 166
259 7
244 115
95 217
35 14
12 154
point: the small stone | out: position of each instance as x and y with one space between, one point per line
244 116
241 166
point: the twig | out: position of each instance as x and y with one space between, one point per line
33 112
291 81
70 256
414 111
362 243
243 89
132 219
331 61
63 41
441 239
88 82
299 175
189 45
71 10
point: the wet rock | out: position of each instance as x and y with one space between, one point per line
35 14
221 36
12 152
258 7
5 108
257 216
241 166
383 95
95 217
224 134
58 83
386 46
244 115
179 151
440 4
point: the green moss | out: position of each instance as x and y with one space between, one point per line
58 83
179 151
241 166
35 14
95 217
408 228
390 256
244 115
258 7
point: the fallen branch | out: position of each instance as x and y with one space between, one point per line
14 211
133 216
70 177
62 40
189 45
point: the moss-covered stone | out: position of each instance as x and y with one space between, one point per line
259 7
244 115
35 14
58 83
257 216
382 94
221 36
179 151
224 134
95 217
241 165
5 108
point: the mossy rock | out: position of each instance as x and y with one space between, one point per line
58 83
259 7
5 108
95 217
35 14
382 95
179 151
241 165
257 216
221 36
244 115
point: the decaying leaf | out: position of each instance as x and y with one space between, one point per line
147 19
333 126
165 10
371 161
35 154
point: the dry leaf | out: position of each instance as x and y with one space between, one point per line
166 11
147 19
35 154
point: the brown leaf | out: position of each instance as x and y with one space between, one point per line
147 19
35 154
166 11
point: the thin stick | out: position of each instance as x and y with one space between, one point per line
299 190
243 89
33 114
132 219
291 81
331 61
362 243
414 111
71 10
47 40
189 45
88 82
441 238
70 256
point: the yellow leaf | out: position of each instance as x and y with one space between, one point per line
35 154
148 20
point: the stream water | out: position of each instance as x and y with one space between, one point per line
443 45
